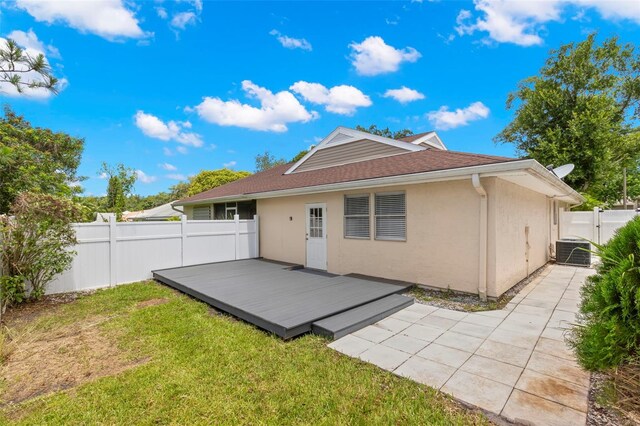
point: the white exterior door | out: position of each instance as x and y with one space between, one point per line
317 236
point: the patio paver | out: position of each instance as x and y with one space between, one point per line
513 362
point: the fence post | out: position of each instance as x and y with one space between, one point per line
256 221
112 250
236 219
596 225
183 230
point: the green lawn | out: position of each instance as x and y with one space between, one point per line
200 367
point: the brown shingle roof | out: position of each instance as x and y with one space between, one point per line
414 137
403 164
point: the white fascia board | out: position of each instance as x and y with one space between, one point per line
428 139
355 135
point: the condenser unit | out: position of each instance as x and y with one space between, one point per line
573 252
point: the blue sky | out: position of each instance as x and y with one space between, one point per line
171 88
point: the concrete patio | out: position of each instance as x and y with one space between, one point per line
512 362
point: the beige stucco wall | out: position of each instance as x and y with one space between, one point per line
442 236
512 253
442 246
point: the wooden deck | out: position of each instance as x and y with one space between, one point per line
274 296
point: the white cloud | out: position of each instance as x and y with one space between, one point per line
33 47
229 165
103 175
338 99
182 149
373 56
168 167
444 119
521 22
153 127
273 114
176 176
145 178
290 42
162 12
110 19
30 40
404 94
182 19
166 151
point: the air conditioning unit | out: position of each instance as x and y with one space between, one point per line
573 252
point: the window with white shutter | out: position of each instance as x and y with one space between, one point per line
202 213
391 216
356 216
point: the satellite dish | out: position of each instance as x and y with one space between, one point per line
563 170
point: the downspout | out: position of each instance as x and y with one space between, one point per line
484 223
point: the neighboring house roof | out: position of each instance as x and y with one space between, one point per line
164 211
415 137
103 217
400 162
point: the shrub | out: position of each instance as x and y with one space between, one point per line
37 238
610 308
12 290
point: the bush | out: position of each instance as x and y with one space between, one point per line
610 310
12 291
37 238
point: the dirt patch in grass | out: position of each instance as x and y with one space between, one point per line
153 302
466 302
31 311
37 363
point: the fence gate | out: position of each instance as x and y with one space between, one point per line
597 226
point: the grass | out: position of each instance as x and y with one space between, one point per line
205 368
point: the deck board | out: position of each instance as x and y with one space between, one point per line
271 295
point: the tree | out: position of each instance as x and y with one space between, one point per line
301 154
580 110
36 242
209 179
34 159
121 181
16 65
373 129
267 161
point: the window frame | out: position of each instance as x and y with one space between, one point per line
345 216
376 215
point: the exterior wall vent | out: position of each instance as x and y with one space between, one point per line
573 252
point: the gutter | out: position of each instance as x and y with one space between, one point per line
484 224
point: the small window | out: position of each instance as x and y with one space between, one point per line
231 210
391 216
356 216
202 213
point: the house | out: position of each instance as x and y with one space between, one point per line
406 209
162 212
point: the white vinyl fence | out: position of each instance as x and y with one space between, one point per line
113 252
597 226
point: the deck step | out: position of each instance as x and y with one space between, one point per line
354 319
